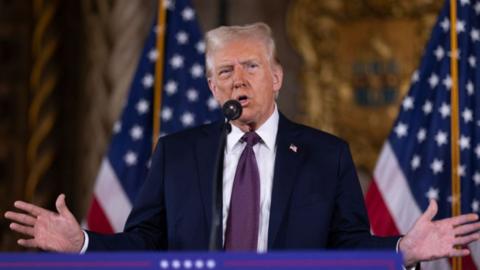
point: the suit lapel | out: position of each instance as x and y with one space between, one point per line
288 159
205 151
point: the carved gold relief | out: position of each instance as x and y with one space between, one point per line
358 60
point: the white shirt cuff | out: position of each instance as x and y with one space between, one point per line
397 248
85 243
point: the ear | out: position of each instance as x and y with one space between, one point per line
277 73
212 86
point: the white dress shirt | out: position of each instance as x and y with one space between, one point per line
265 156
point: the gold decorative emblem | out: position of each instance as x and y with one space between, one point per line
358 57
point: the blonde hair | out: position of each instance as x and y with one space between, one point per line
216 39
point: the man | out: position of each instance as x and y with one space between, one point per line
285 186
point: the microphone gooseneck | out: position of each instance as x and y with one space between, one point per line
232 109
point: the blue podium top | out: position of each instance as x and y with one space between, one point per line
203 260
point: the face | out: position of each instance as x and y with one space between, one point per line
241 70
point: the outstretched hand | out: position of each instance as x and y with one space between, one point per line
47 230
429 240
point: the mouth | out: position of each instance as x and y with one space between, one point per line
243 100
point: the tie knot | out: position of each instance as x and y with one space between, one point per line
251 138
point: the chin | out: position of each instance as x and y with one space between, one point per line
246 118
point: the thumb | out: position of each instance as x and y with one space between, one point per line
431 211
62 206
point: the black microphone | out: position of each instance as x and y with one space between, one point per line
232 109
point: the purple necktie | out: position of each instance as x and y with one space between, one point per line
242 224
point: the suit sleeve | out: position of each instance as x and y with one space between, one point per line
350 227
145 228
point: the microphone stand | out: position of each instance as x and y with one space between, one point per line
232 109
215 243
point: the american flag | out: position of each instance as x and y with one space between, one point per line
186 102
415 165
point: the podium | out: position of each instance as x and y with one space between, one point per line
203 260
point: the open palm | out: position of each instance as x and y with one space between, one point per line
429 240
47 230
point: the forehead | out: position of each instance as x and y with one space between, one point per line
240 49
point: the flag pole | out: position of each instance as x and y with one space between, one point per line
160 44
454 121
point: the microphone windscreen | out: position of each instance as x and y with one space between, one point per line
232 109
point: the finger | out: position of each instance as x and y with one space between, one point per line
62 206
459 252
27 230
30 208
30 243
467 239
467 228
20 218
431 211
458 220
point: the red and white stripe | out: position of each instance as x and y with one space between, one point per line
110 206
392 208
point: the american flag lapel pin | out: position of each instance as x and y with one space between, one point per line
293 148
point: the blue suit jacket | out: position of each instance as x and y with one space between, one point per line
316 202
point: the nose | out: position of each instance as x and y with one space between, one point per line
239 78
239 84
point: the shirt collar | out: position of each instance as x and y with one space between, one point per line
267 131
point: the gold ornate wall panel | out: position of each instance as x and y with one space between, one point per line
42 115
358 60
14 69
65 69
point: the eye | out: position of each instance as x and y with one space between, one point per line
252 66
224 72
